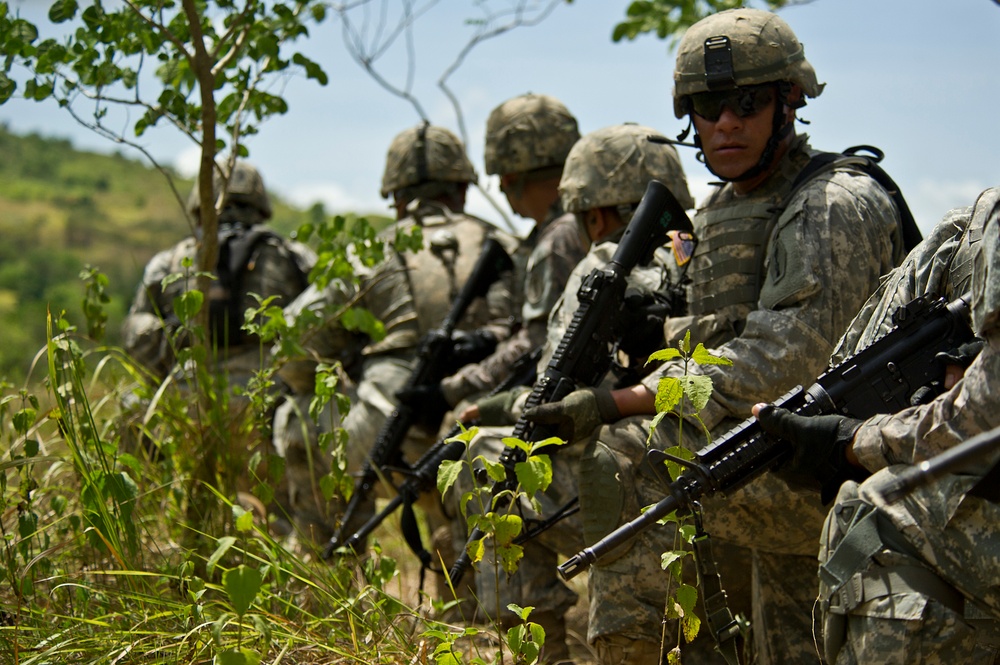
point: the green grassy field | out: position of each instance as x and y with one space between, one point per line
62 209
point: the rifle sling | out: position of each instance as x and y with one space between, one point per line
721 623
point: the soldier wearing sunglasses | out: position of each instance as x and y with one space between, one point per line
781 266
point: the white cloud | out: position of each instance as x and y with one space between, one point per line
187 161
335 198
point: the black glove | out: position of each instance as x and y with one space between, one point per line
471 346
642 325
819 449
961 356
428 404
578 414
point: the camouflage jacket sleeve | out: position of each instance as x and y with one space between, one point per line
918 433
559 248
939 266
829 248
971 406
149 322
323 339
561 245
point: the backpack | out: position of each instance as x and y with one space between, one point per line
238 243
870 165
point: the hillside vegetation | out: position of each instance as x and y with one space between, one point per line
62 209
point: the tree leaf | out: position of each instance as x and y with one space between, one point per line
448 473
506 528
62 11
664 354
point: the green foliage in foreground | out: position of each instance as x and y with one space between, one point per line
139 521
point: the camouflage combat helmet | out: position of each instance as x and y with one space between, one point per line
739 47
613 165
244 186
528 133
425 153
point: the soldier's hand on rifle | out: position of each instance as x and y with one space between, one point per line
427 402
499 409
956 361
642 324
471 346
821 456
578 414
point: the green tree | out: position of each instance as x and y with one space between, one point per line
670 18
204 67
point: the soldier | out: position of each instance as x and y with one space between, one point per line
778 272
427 173
527 140
604 179
251 260
913 581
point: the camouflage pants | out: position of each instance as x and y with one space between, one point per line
628 588
296 435
892 607
536 582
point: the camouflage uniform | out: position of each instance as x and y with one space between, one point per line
528 135
929 593
405 293
775 279
275 267
608 168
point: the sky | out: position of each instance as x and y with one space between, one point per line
917 78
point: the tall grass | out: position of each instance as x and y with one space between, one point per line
125 540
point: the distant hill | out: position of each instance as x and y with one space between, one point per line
62 209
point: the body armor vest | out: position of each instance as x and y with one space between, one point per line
437 273
727 268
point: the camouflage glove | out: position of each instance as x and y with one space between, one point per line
428 404
578 414
496 410
819 449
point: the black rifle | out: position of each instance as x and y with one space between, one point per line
583 356
493 261
422 474
879 379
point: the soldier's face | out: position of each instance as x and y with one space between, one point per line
734 143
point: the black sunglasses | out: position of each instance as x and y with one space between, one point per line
744 102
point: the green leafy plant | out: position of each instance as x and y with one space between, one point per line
498 517
683 398
668 19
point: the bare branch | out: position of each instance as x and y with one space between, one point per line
366 56
120 139
484 33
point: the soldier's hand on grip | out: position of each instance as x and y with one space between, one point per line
578 414
819 448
